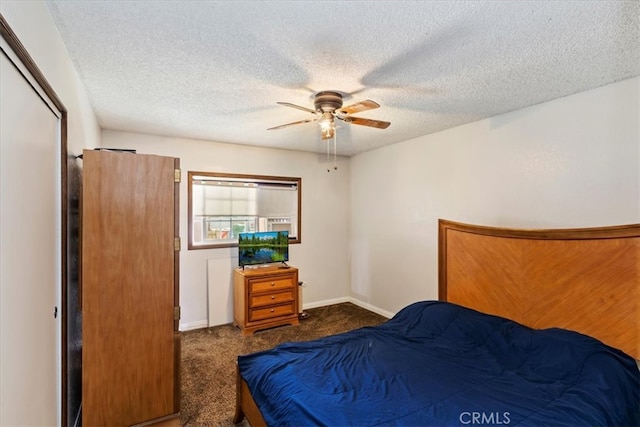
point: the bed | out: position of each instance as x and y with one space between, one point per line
532 327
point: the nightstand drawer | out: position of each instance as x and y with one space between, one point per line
269 312
271 298
272 284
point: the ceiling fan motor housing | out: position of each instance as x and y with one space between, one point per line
327 101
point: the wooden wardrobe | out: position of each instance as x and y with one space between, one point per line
129 290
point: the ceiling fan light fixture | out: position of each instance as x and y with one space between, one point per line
327 133
326 122
327 126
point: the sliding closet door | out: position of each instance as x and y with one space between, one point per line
128 251
30 251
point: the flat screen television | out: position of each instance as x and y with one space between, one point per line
263 247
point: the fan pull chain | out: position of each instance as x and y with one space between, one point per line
335 145
328 158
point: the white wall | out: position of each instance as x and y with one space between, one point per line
571 162
33 25
568 163
322 257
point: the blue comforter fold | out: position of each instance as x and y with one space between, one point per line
440 364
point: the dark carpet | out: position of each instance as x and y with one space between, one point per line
209 355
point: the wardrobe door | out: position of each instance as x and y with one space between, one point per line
128 250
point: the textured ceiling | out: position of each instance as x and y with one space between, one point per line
214 70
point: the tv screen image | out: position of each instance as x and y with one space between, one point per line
263 247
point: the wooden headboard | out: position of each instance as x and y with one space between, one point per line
586 280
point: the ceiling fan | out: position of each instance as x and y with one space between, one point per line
328 106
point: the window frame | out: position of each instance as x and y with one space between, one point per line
234 177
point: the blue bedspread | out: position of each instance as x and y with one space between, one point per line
439 364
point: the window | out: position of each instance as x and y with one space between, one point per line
222 205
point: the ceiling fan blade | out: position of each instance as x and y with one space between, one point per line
288 104
358 107
292 124
367 122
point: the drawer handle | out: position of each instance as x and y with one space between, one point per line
273 297
273 283
272 310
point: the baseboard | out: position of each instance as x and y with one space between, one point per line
205 324
194 325
325 302
367 306
352 300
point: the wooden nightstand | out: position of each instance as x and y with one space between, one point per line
265 297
